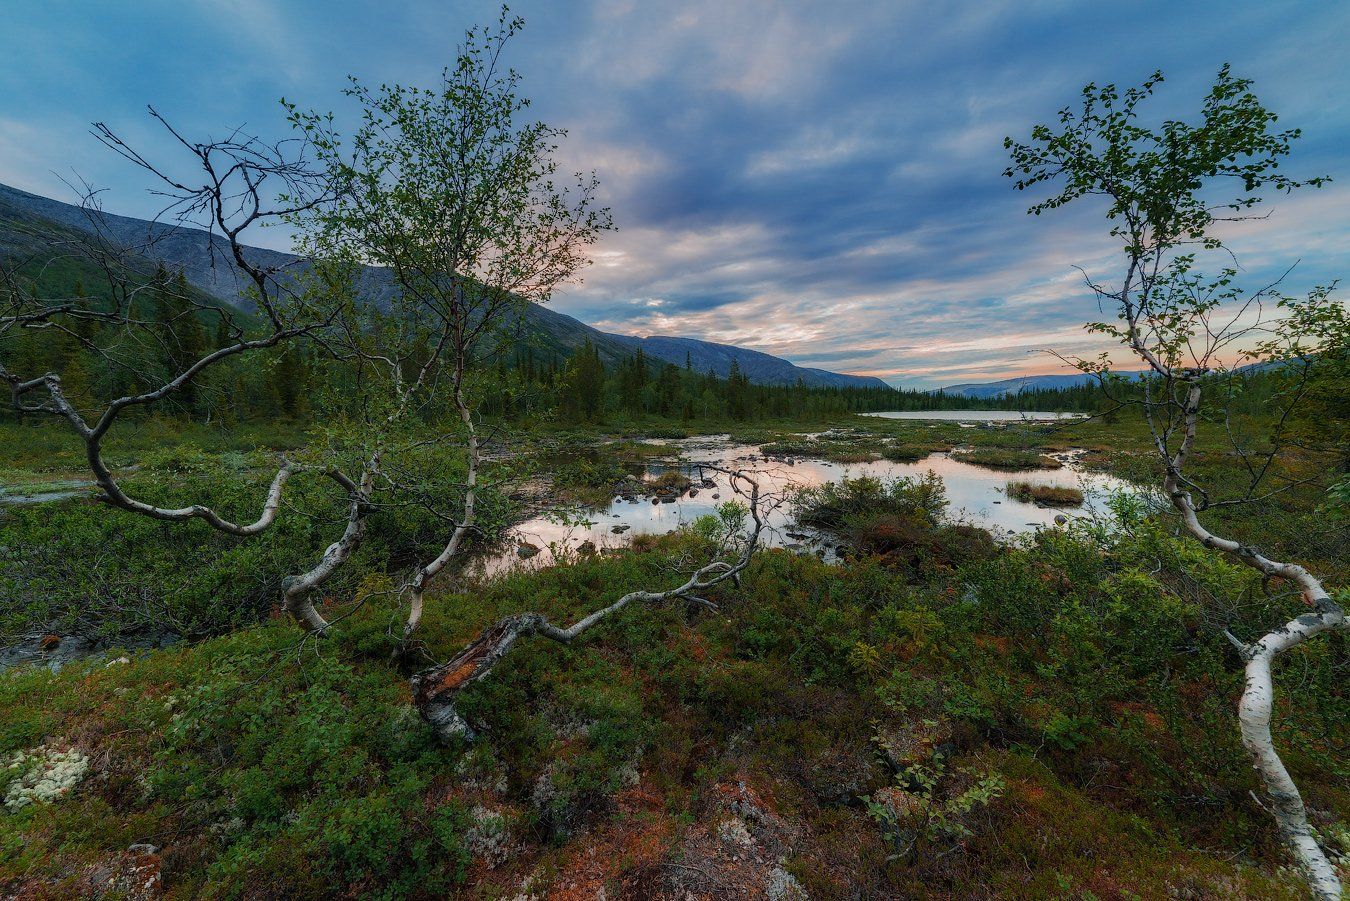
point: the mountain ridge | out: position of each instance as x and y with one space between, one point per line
1016 385
202 259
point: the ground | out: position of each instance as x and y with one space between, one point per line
948 720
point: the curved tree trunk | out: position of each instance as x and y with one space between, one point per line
1254 713
297 590
417 587
1254 709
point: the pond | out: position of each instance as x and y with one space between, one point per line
44 493
975 494
977 415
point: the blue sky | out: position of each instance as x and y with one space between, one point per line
817 180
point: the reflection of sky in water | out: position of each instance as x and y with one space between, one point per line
976 415
975 496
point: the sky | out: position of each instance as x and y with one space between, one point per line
817 180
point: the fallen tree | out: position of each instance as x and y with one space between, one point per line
436 689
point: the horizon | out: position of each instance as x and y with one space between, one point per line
782 179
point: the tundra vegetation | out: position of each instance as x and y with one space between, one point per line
1050 495
287 495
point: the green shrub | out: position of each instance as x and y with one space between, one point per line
831 505
1049 495
1007 458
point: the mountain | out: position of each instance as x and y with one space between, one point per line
1018 385
205 263
757 366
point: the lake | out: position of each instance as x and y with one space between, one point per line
977 415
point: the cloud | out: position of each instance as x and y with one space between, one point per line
820 181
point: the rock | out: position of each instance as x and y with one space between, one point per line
526 550
51 642
717 497
587 548
1061 519
143 848
621 528
904 745
693 492
900 804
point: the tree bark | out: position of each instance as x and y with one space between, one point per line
1254 713
1254 708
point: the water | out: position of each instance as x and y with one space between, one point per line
976 496
43 494
977 415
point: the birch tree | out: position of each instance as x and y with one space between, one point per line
1166 191
445 193
462 207
233 186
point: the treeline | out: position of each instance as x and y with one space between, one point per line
175 325
581 388
98 361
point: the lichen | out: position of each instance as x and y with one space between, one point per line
42 775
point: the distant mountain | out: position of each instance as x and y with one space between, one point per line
204 262
759 367
1018 385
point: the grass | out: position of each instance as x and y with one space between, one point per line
1049 495
1008 458
670 483
858 447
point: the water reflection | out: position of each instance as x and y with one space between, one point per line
976 496
977 415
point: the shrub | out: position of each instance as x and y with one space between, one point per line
835 505
1049 495
1008 458
906 453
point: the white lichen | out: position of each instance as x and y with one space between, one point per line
783 886
734 831
489 835
41 775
